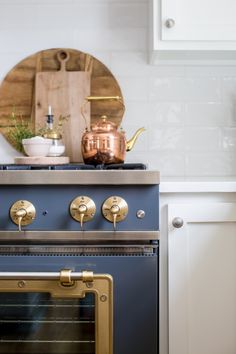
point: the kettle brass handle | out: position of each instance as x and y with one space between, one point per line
99 98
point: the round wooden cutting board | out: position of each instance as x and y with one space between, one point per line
17 88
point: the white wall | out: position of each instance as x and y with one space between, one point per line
189 112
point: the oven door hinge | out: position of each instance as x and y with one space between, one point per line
65 277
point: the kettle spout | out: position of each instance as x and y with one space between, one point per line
130 143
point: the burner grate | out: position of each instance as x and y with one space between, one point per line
79 166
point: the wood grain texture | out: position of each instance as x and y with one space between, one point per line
45 160
65 92
18 87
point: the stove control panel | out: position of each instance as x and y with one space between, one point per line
82 209
23 213
86 208
115 209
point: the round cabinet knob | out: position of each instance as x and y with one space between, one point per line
115 209
170 23
177 222
22 213
82 209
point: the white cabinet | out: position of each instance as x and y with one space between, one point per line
202 278
193 29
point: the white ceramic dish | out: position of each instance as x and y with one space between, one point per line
56 150
37 146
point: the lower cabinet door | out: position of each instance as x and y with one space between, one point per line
202 278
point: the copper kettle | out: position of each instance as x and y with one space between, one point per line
104 144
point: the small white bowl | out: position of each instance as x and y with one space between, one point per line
56 150
37 146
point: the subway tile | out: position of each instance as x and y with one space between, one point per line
128 15
133 88
165 139
166 114
155 115
208 114
129 63
229 139
169 164
210 164
17 16
117 39
228 89
213 70
161 71
33 41
202 139
139 112
232 119
184 89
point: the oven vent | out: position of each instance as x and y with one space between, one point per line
64 251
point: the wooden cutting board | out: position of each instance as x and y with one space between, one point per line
65 92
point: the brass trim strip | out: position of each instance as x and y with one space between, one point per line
88 177
49 282
78 235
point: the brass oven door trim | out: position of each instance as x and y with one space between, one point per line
68 284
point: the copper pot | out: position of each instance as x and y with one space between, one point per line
104 144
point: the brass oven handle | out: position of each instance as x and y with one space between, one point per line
38 275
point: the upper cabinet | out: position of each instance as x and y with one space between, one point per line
193 30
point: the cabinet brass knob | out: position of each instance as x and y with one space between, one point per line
177 222
170 23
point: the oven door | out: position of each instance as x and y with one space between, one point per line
56 312
51 317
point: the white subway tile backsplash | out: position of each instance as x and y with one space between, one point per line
211 164
189 112
208 114
133 88
33 41
202 139
127 15
164 139
169 163
229 139
117 39
156 115
193 89
129 63
229 89
166 114
213 70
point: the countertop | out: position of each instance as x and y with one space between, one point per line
198 185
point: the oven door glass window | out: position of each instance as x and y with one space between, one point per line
37 323
56 317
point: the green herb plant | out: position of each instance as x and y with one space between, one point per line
20 129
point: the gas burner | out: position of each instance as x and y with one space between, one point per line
79 166
123 166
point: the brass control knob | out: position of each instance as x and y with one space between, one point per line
82 209
115 209
23 213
